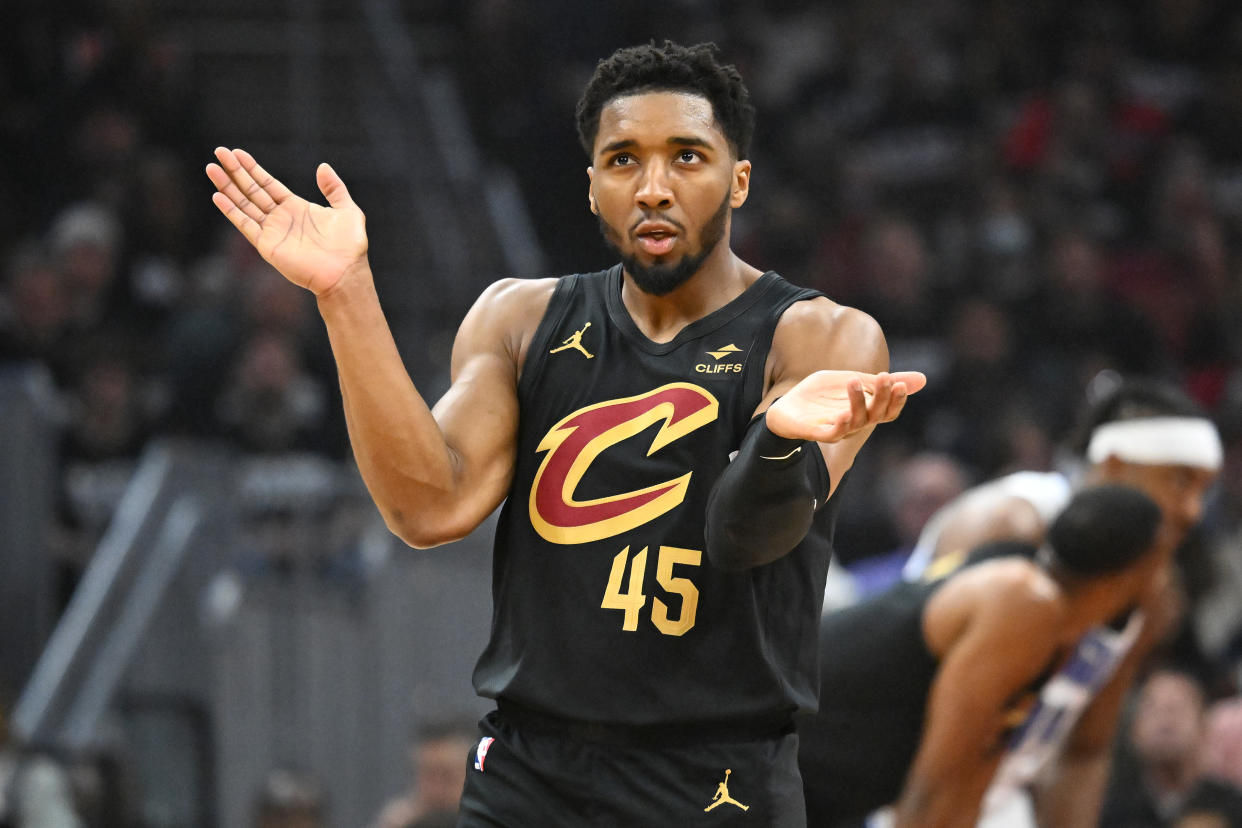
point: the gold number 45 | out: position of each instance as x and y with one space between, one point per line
632 600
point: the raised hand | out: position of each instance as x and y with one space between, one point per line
313 246
829 406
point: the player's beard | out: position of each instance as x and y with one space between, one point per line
662 278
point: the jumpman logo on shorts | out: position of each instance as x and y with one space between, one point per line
722 795
575 341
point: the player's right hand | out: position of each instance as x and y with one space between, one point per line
313 246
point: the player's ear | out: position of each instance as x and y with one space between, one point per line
591 190
741 184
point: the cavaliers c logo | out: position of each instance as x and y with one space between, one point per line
574 443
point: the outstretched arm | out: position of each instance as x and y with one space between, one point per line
823 389
433 476
829 382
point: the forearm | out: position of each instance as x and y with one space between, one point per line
397 444
1074 792
765 501
955 802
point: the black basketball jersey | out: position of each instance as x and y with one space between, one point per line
855 752
606 608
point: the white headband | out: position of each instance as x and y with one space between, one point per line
1159 441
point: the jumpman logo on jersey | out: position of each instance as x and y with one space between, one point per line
722 795
575 342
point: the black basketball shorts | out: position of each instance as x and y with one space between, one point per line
521 775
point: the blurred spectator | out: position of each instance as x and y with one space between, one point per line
162 239
438 760
290 799
911 492
1222 749
109 419
34 309
919 487
1080 318
896 280
110 413
85 240
271 403
249 362
1167 738
1086 142
198 343
982 392
1179 274
1005 243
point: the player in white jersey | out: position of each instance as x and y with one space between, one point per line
1044 493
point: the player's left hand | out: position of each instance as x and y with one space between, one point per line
829 406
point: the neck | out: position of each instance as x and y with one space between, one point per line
1093 601
721 279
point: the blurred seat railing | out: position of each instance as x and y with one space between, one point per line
173 491
28 479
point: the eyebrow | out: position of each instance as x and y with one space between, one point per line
674 141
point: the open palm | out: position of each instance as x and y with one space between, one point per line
313 246
831 405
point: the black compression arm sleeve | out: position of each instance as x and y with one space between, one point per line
763 504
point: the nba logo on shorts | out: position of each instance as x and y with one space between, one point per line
480 753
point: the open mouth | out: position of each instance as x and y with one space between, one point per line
655 239
656 244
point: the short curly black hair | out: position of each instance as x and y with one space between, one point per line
669 67
1103 530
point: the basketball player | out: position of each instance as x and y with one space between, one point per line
1139 433
666 436
927 682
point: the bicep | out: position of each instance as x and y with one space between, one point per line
968 699
994 660
478 415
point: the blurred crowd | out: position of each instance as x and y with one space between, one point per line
1029 195
153 317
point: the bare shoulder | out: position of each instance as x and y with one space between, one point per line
506 315
822 334
515 298
1006 598
1016 594
1021 579
823 321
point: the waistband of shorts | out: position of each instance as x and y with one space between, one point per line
673 734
